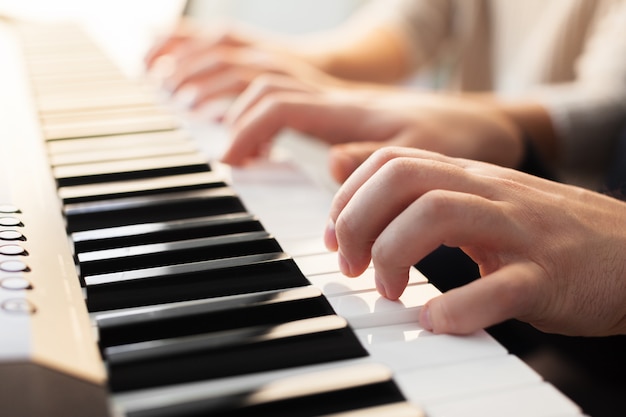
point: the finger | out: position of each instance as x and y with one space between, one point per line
260 125
162 47
439 217
368 168
260 87
360 175
510 292
195 68
302 112
187 32
226 84
389 191
345 158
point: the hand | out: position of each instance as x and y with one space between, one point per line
202 65
366 119
549 254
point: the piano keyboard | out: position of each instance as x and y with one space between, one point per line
137 278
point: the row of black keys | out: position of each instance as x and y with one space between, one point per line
207 292
152 249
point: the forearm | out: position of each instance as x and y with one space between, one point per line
379 55
533 119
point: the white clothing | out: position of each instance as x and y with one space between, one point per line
568 55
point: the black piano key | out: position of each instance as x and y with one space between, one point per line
179 252
212 315
193 281
91 173
152 208
347 403
139 187
229 353
366 389
138 234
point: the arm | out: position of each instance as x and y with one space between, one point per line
378 44
532 117
549 254
369 119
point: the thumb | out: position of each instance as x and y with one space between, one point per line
507 293
344 158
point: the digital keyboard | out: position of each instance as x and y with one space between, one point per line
139 277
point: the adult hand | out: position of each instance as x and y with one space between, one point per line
366 119
200 65
549 254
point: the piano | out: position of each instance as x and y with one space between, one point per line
139 277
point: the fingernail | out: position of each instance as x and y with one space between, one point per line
425 319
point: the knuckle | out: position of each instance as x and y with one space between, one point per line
386 154
271 103
395 168
265 83
436 203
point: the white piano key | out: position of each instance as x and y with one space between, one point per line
115 143
370 309
154 150
403 332
436 384
303 246
323 263
424 349
287 201
537 400
336 283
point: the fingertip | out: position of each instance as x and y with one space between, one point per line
344 265
186 98
341 164
162 66
424 318
380 287
435 317
451 313
229 160
330 237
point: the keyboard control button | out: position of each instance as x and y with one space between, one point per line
13 266
8 208
10 221
12 250
19 306
15 284
11 235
